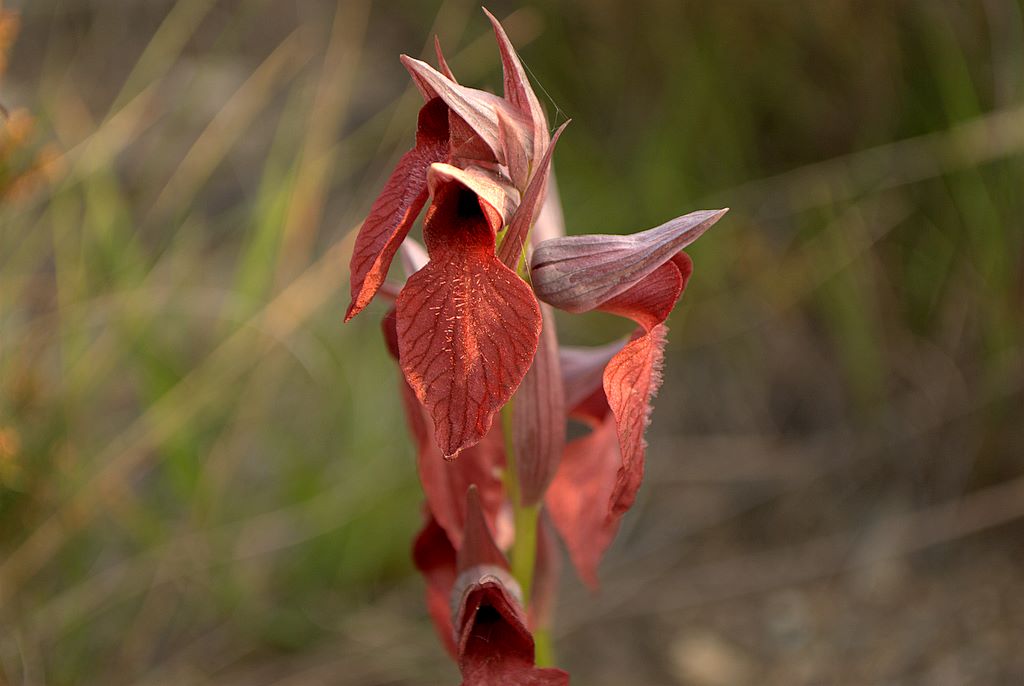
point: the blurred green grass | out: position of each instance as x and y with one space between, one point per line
205 473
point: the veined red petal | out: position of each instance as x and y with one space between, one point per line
579 273
397 207
578 496
445 482
607 465
630 381
632 377
518 90
539 417
468 326
494 645
519 228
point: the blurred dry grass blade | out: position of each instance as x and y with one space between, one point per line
992 136
277 321
230 123
327 114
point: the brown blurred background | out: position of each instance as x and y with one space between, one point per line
204 477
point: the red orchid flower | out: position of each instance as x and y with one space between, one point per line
473 328
467 325
477 606
641 277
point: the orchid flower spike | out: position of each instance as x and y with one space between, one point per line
472 328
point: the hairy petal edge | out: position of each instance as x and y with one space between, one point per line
607 465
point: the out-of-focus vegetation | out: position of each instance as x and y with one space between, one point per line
204 476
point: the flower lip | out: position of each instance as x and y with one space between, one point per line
468 326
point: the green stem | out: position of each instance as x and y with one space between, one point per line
544 652
524 547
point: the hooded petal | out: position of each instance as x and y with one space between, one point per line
519 228
493 643
444 565
445 482
488 184
468 326
396 208
518 90
578 273
467 147
539 417
476 107
641 277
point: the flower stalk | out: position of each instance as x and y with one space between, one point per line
524 517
